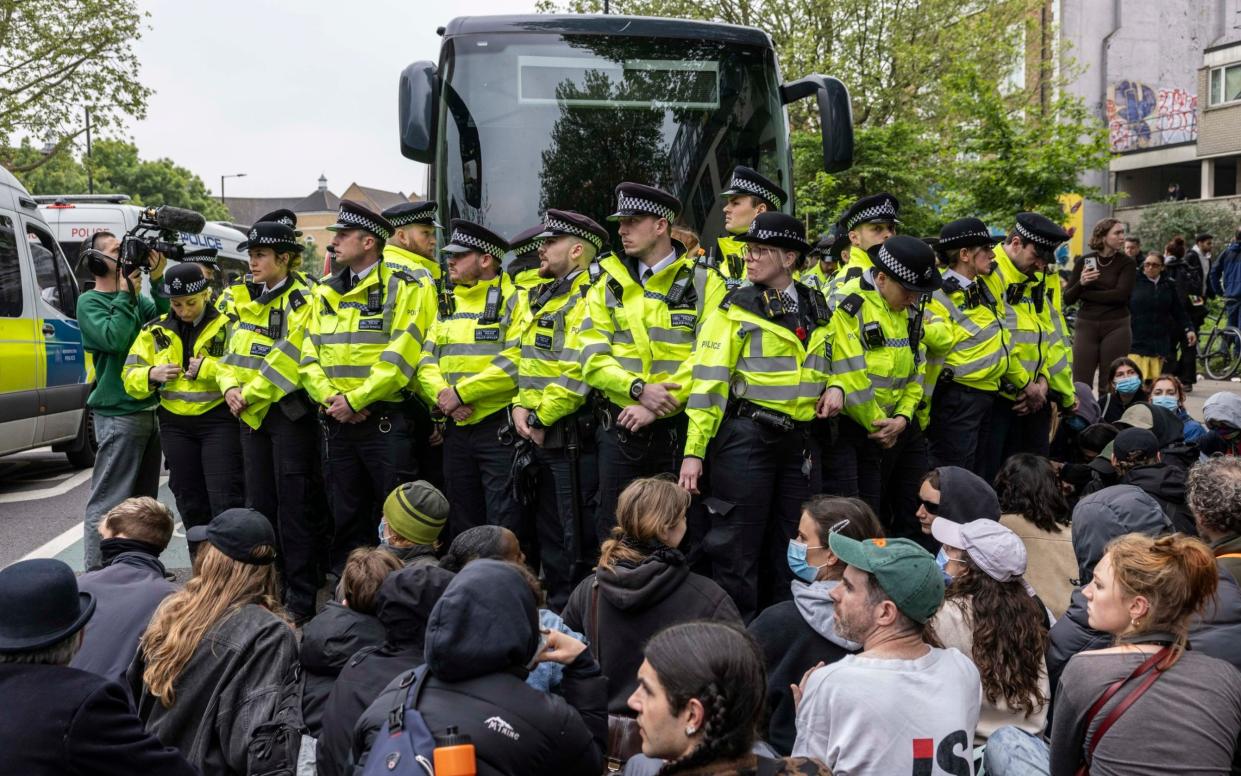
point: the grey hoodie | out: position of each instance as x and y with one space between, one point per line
964 496
816 607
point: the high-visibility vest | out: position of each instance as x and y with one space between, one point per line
549 371
158 343
965 333
859 262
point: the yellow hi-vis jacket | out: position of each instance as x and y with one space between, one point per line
159 343
528 279
397 258
363 343
549 370
474 350
815 277
743 353
731 261
964 332
872 361
633 332
265 343
859 262
1036 324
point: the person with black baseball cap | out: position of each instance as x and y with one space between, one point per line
643 315
358 359
878 363
1021 417
760 367
867 222
748 193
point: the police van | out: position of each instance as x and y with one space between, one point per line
45 375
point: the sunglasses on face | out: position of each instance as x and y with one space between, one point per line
931 507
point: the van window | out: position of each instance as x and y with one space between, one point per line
10 271
56 283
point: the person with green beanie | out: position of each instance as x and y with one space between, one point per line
414 515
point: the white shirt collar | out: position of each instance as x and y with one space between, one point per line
362 275
645 272
268 289
963 280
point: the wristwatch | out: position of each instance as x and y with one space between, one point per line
636 388
532 420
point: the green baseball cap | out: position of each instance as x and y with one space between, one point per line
905 571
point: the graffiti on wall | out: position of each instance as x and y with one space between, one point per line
1143 116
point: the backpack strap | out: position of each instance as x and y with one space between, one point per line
1116 713
415 680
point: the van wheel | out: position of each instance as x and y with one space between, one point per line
81 453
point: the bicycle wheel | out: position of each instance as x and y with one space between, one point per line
1222 355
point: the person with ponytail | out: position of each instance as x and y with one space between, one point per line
699 700
212 662
1148 703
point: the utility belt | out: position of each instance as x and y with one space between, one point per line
764 416
663 431
576 429
947 376
381 412
294 406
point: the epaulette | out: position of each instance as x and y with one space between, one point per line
952 284
405 276
852 304
818 306
594 271
727 301
152 322
707 259
296 299
237 281
748 298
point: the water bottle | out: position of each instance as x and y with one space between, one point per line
454 754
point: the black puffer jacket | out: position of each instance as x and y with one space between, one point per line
1166 484
482 634
328 641
406 599
636 601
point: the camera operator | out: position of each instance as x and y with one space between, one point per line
110 316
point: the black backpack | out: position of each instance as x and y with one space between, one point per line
275 745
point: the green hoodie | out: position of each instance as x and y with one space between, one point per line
110 323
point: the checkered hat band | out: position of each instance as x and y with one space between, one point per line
181 288
965 236
757 189
556 225
359 221
628 203
256 239
1034 238
767 234
882 210
890 263
464 238
414 217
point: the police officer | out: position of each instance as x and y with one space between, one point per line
360 351
1021 418
180 356
282 216
280 430
643 315
867 223
761 363
968 349
551 408
825 258
524 271
412 246
877 374
748 194
207 259
469 369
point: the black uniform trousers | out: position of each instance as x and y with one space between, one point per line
957 430
559 533
478 470
285 482
362 464
1011 433
428 458
757 487
204 463
625 456
886 479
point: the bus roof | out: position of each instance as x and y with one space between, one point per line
599 24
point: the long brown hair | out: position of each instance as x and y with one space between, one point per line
219 587
1010 636
1101 228
647 508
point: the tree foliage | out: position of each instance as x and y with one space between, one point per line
58 58
1164 220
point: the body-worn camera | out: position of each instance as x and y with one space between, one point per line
159 230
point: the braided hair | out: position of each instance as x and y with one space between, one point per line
720 665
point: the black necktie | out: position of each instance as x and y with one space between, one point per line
351 280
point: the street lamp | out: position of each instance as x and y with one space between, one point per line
222 177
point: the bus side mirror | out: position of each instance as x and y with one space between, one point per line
835 116
417 112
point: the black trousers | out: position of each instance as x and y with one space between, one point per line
477 477
1187 355
428 458
204 463
1012 433
285 482
558 531
956 434
887 480
624 457
757 486
362 463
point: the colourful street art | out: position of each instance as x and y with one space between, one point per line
1142 116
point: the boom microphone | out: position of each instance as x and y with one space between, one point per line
178 219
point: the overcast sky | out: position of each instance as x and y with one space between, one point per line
283 90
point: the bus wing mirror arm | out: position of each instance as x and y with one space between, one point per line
417 111
835 116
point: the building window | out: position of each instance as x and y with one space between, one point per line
1226 84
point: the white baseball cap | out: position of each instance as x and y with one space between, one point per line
993 547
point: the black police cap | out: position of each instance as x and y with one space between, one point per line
748 181
776 229
468 236
407 213
964 233
638 199
203 256
271 234
909 261
281 216
353 215
562 222
527 242
1040 230
182 280
876 209
236 533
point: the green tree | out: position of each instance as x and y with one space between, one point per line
1164 220
57 172
118 170
57 59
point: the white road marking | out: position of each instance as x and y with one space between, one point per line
59 490
58 545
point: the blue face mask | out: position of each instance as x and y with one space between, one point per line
1167 402
1129 384
941 560
797 561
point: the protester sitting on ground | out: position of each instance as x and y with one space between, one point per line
482 541
1214 498
403 604
642 585
216 654
481 639
956 494
1064 443
1034 508
902 700
1143 594
56 719
1097 519
1168 393
794 635
1124 388
128 588
699 704
992 615
1168 429
341 629
1221 414
413 517
1136 459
